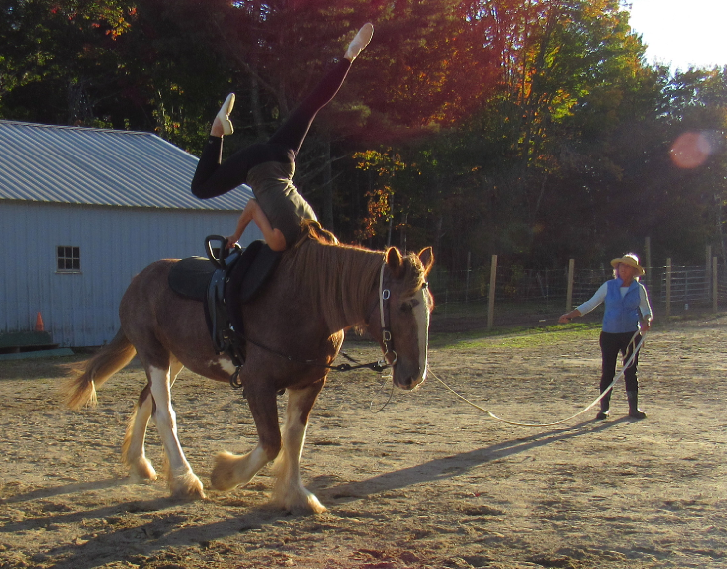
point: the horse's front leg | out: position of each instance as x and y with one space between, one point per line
289 493
182 481
231 470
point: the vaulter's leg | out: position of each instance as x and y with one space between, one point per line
293 131
231 470
289 492
182 481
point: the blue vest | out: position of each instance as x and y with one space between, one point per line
622 313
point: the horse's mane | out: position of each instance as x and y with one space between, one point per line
335 277
340 277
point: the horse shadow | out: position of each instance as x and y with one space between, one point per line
134 539
172 529
74 488
450 466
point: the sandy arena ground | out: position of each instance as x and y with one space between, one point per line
425 482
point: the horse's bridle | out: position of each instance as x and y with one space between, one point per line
385 314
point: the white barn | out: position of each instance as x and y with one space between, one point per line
82 211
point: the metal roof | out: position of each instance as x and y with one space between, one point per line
63 164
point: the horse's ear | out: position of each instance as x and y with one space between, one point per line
394 260
426 256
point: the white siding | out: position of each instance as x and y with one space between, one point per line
115 244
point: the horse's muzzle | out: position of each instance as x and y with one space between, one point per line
407 381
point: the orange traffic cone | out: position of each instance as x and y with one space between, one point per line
39 323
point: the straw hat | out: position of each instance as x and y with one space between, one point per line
631 260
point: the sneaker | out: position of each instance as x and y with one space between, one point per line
362 39
224 113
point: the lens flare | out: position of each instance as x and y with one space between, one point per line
692 149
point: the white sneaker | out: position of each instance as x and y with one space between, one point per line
224 114
362 39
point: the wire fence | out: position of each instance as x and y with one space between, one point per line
538 296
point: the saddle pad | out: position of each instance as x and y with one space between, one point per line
191 277
248 277
254 277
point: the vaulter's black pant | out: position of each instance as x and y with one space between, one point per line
611 345
214 177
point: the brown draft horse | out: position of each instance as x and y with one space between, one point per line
297 323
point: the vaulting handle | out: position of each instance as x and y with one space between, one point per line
219 262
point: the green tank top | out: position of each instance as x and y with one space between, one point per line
272 184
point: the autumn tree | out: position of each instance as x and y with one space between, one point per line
57 57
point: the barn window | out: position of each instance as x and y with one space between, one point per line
69 259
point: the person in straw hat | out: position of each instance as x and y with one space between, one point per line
627 312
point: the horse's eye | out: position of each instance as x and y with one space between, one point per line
406 307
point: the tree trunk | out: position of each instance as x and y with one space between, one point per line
255 107
327 214
402 233
391 219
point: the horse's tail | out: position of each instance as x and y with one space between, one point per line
80 389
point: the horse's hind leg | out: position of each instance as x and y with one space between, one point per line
132 451
182 481
133 454
289 493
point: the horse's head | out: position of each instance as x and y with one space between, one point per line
402 322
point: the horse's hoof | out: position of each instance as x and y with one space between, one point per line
223 476
187 487
142 471
312 506
301 504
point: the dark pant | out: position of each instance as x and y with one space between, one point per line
214 177
611 345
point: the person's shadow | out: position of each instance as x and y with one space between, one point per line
450 466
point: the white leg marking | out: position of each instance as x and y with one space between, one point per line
182 481
421 316
289 492
133 454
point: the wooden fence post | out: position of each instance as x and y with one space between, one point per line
467 286
708 271
491 298
715 289
569 293
668 287
647 259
